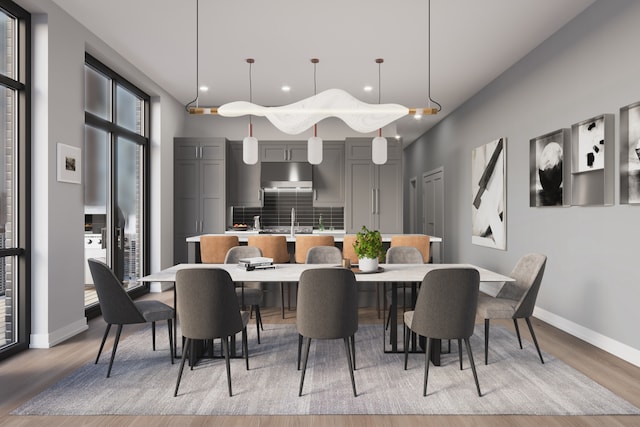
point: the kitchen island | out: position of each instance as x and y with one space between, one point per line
193 243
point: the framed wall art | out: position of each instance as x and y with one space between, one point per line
549 177
488 190
69 164
630 154
592 161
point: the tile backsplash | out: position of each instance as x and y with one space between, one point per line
276 211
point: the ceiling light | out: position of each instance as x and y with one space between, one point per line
379 143
250 143
368 88
285 88
204 88
314 144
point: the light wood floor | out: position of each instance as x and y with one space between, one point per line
26 374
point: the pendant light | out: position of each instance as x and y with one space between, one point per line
250 143
379 143
314 144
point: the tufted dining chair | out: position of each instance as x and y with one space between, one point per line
248 293
445 309
328 309
208 309
274 247
213 249
515 300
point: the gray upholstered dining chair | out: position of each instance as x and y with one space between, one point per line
445 309
328 309
249 293
119 309
515 300
324 255
208 308
401 255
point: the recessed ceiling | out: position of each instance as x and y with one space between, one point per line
472 43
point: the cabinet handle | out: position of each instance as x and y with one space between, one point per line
260 194
285 154
200 156
315 194
197 226
196 154
377 200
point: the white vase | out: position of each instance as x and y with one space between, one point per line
368 264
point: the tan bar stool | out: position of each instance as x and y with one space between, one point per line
213 249
273 247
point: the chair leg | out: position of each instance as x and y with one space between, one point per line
427 355
533 335
407 333
486 341
473 365
459 351
350 363
515 323
115 347
299 349
184 358
304 364
259 317
225 349
258 321
170 327
245 346
282 298
104 338
353 350
388 318
153 335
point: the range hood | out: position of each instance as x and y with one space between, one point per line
286 175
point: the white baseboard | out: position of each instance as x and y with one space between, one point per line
56 337
618 349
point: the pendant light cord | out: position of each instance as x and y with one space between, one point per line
429 57
250 61
186 107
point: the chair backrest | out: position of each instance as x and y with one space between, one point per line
324 255
327 306
404 255
272 247
238 252
206 303
347 248
528 277
116 305
447 303
303 243
213 249
418 241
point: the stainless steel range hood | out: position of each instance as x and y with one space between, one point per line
286 175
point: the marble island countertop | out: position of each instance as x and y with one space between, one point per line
338 235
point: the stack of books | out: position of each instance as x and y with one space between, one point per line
256 263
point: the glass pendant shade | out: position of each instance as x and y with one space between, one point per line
250 150
314 150
379 150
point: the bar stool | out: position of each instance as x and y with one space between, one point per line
273 247
418 241
213 249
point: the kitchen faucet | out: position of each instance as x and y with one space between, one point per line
293 219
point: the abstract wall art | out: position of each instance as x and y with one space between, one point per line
548 183
488 192
630 154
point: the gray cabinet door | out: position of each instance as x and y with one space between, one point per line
360 209
243 180
329 176
283 152
199 185
389 197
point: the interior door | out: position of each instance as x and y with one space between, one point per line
433 207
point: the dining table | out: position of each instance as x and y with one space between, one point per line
393 274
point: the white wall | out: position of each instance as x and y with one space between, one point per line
591 286
59 50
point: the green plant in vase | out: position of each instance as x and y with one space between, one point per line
369 249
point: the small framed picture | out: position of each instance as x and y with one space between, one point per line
549 174
69 164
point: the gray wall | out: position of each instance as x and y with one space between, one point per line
591 66
59 46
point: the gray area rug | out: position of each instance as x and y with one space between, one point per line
142 382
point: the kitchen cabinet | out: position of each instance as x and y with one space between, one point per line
199 189
373 192
243 180
283 152
329 176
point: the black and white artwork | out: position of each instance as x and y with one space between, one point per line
634 154
488 191
591 145
547 169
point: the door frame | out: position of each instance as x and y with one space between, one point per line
437 172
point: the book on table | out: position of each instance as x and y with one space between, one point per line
255 262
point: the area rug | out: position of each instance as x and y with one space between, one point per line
142 382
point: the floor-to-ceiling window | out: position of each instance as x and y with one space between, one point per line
115 159
14 177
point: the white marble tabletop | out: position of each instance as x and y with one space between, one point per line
292 272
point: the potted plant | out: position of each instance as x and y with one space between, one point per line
368 247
